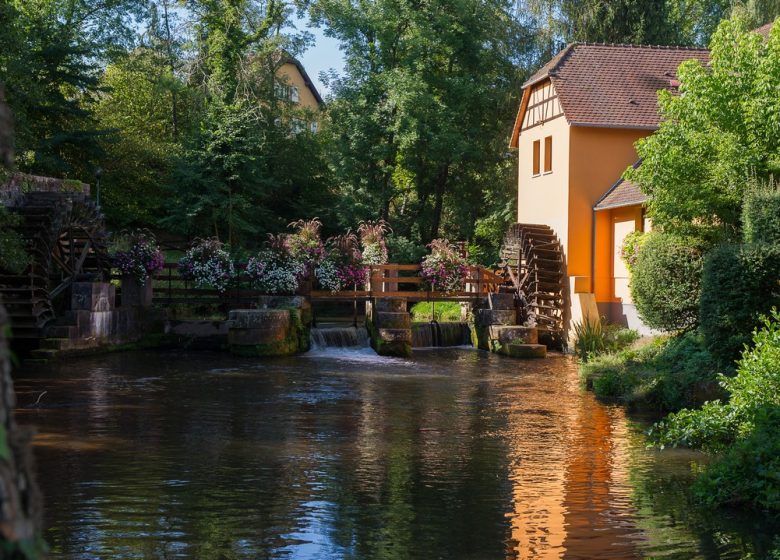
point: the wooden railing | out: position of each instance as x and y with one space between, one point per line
386 281
404 281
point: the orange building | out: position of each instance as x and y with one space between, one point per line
579 119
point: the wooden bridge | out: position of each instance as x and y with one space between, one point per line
386 281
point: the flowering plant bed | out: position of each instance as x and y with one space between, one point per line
273 271
137 255
342 267
208 265
444 269
372 241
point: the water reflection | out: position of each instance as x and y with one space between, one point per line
453 454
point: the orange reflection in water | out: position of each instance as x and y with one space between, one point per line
569 471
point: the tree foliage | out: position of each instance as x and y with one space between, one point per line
418 123
665 282
722 130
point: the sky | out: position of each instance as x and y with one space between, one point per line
321 57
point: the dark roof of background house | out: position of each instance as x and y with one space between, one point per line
286 57
622 193
614 86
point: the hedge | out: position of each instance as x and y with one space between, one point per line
739 283
761 217
665 282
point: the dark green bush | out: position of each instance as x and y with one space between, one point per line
667 374
13 256
739 284
749 471
665 282
761 216
746 428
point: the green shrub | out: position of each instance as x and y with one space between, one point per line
632 244
749 470
614 380
665 282
593 338
739 283
761 216
13 256
666 374
402 250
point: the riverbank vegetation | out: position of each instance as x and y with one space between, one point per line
708 275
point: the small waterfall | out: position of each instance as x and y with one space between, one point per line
339 337
434 334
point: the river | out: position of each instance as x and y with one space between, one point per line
341 454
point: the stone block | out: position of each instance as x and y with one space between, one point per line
495 317
134 294
269 319
395 335
390 305
393 320
91 296
501 301
56 343
281 302
526 350
514 335
252 337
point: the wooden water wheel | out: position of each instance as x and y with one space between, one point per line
66 240
532 258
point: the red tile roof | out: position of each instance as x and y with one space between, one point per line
764 30
614 86
622 193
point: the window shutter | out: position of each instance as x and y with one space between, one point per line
548 154
536 157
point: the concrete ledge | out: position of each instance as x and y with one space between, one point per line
395 335
514 335
496 317
393 320
390 305
525 350
501 301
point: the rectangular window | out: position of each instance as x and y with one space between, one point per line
536 157
295 96
280 91
548 154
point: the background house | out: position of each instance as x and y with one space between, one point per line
579 118
294 86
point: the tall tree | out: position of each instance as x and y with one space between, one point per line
657 22
419 120
49 55
723 131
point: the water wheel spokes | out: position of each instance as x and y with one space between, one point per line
532 257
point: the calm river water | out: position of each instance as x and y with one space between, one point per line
452 454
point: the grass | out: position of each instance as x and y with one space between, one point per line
665 373
446 311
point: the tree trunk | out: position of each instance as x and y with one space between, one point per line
20 503
440 189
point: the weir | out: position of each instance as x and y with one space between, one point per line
436 335
339 337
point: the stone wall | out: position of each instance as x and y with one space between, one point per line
390 327
280 328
